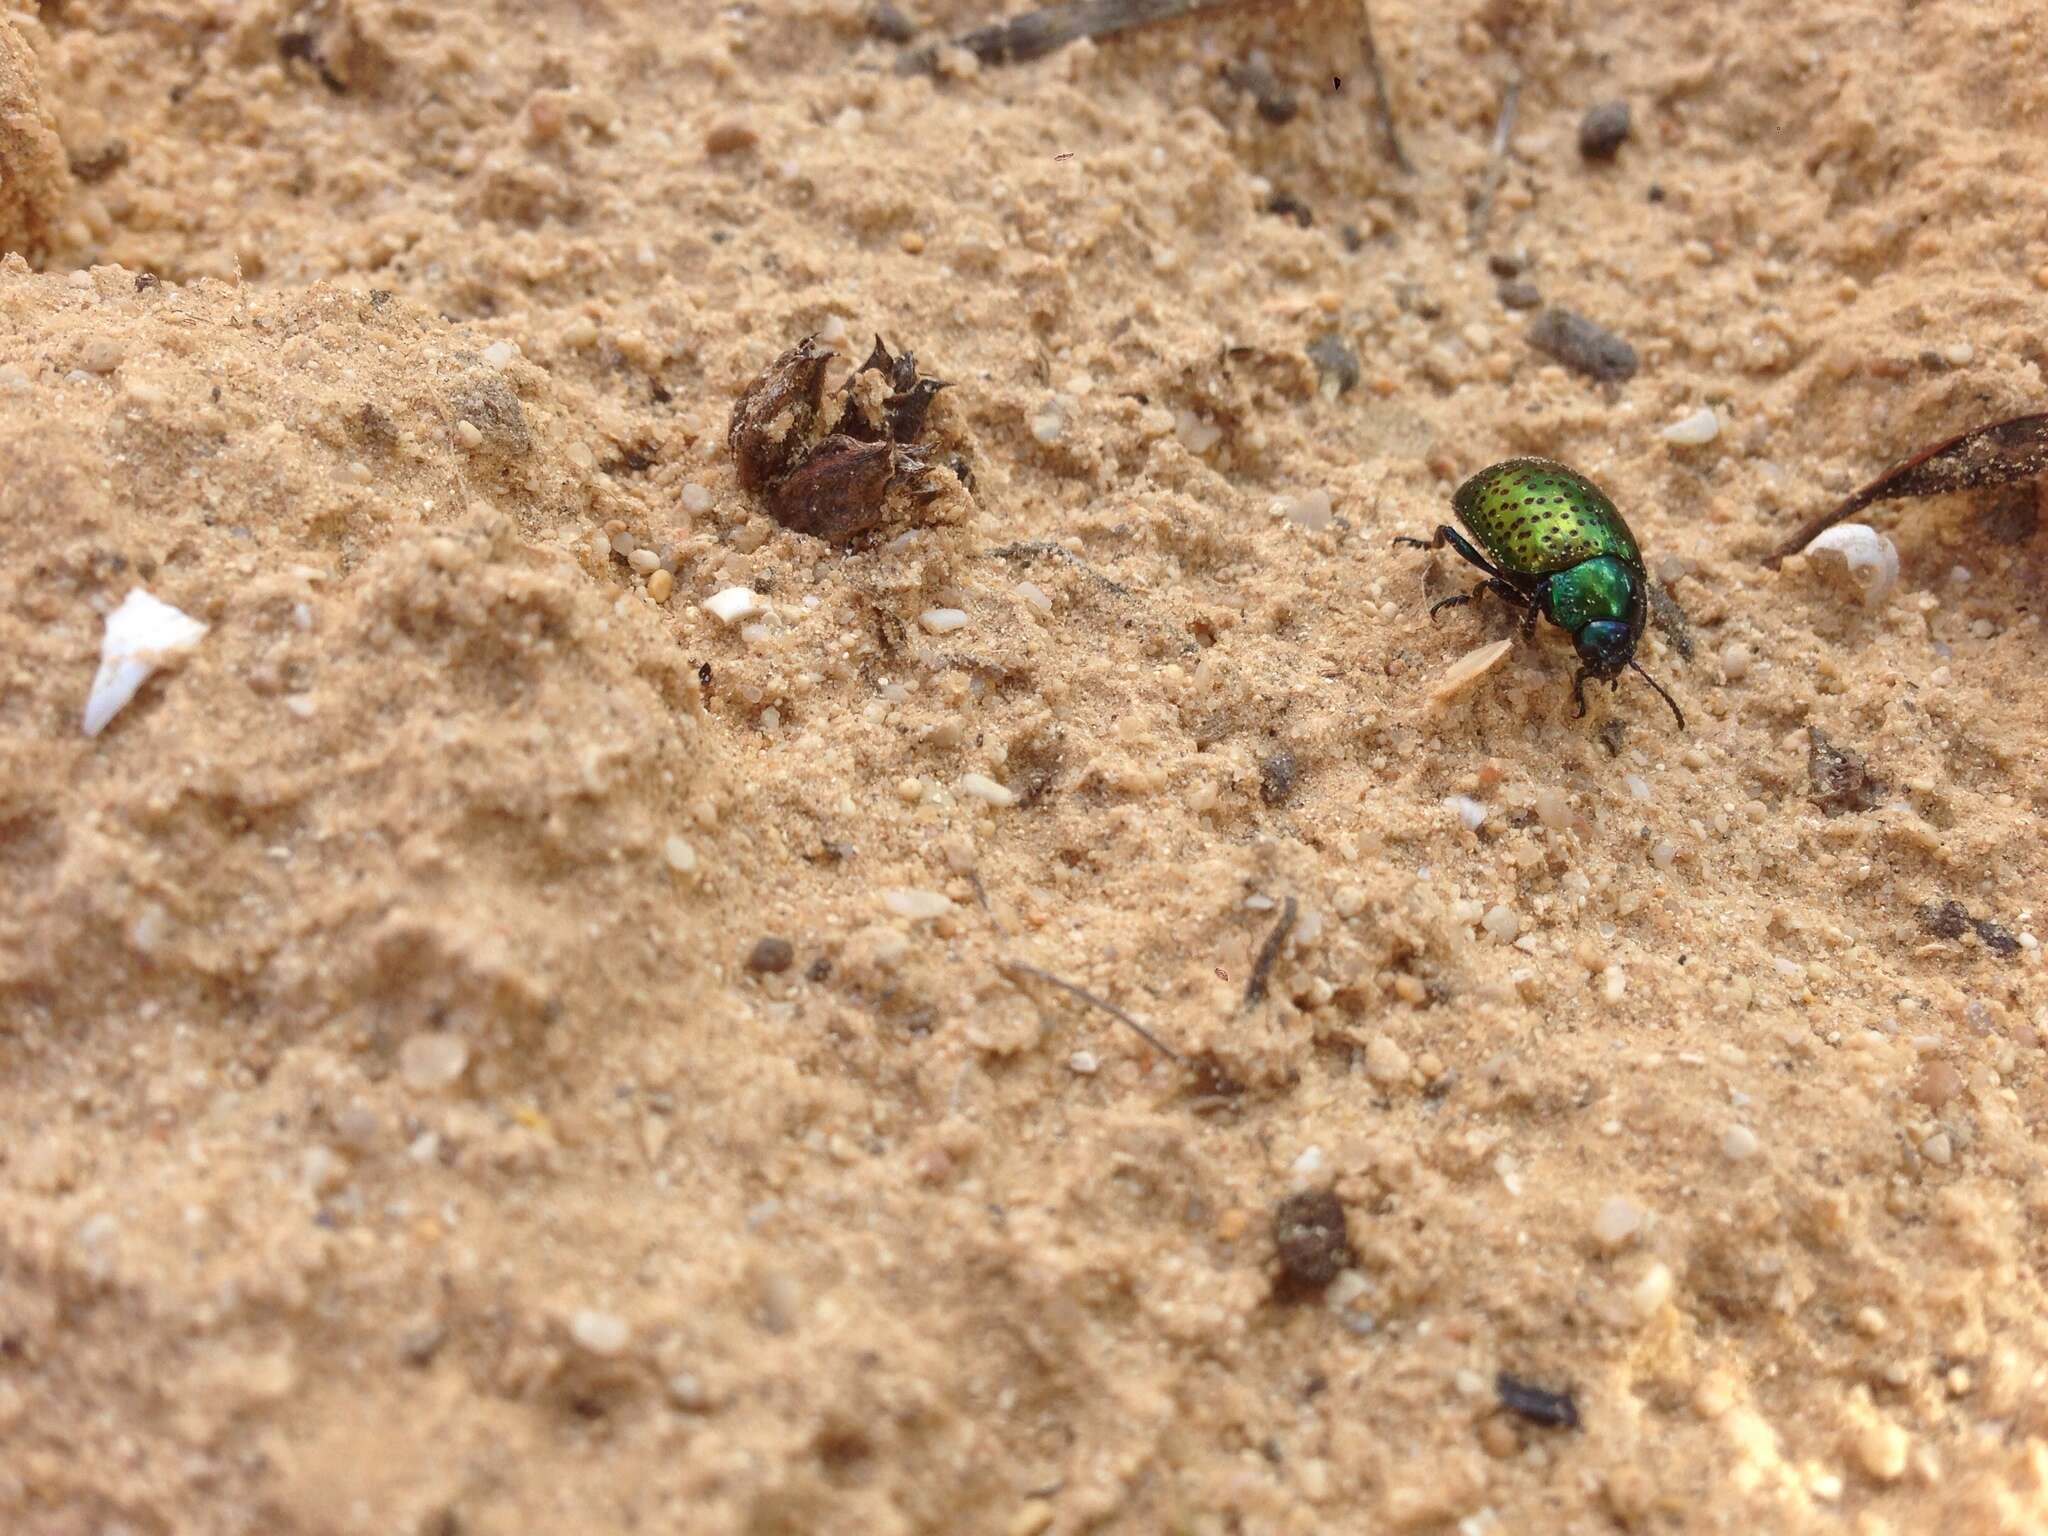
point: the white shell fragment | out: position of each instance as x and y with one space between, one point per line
1469 667
943 621
1694 429
1872 558
733 604
142 634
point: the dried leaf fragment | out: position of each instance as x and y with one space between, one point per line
1995 454
1469 667
772 420
839 490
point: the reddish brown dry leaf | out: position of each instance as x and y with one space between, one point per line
772 420
1996 454
838 491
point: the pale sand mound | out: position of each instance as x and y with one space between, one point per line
399 1138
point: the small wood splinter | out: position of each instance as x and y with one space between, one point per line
1015 968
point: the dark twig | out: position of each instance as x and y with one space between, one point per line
1016 968
1038 33
1381 99
1262 968
1028 550
1497 162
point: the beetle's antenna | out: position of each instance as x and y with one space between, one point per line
1675 710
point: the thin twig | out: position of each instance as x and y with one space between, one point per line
1038 33
1262 968
1497 162
1015 968
1380 96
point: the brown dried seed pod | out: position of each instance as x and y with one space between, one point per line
772 419
839 490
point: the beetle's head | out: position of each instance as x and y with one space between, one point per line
1606 646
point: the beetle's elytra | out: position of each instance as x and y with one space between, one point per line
1554 544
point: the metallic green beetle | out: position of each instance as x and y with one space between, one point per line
1562 552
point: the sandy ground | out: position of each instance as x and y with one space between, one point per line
398 1137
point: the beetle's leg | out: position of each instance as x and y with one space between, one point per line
1446 534
1579 691
1529 620
1499 589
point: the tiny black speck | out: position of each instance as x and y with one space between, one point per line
1553 1410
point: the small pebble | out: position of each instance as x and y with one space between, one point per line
695 498
686 1392
980 786
1603 130
1938 1083
499 354
1082 1063
1881 1450
1735 661
1581 345
1739 1143
729 138
432 1061
645 561
1938 1149
1649 1294
1336 363
1386 1063
602 1333
1031 592
102 354
1691 431
942 621
771 955
659 585
1502 922
1313 1236
1278 774
1663 853
1617 1221
1312 510
1470 813
1520 293
1553 809
679 855
915 904
733 604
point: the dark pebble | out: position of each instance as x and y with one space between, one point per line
890 24
1581 345
1520 293
770 956
1288 206
1276 104
1603 130
1553 1410
1335 361
1504 264
1313 1237
1278 774
1839 780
